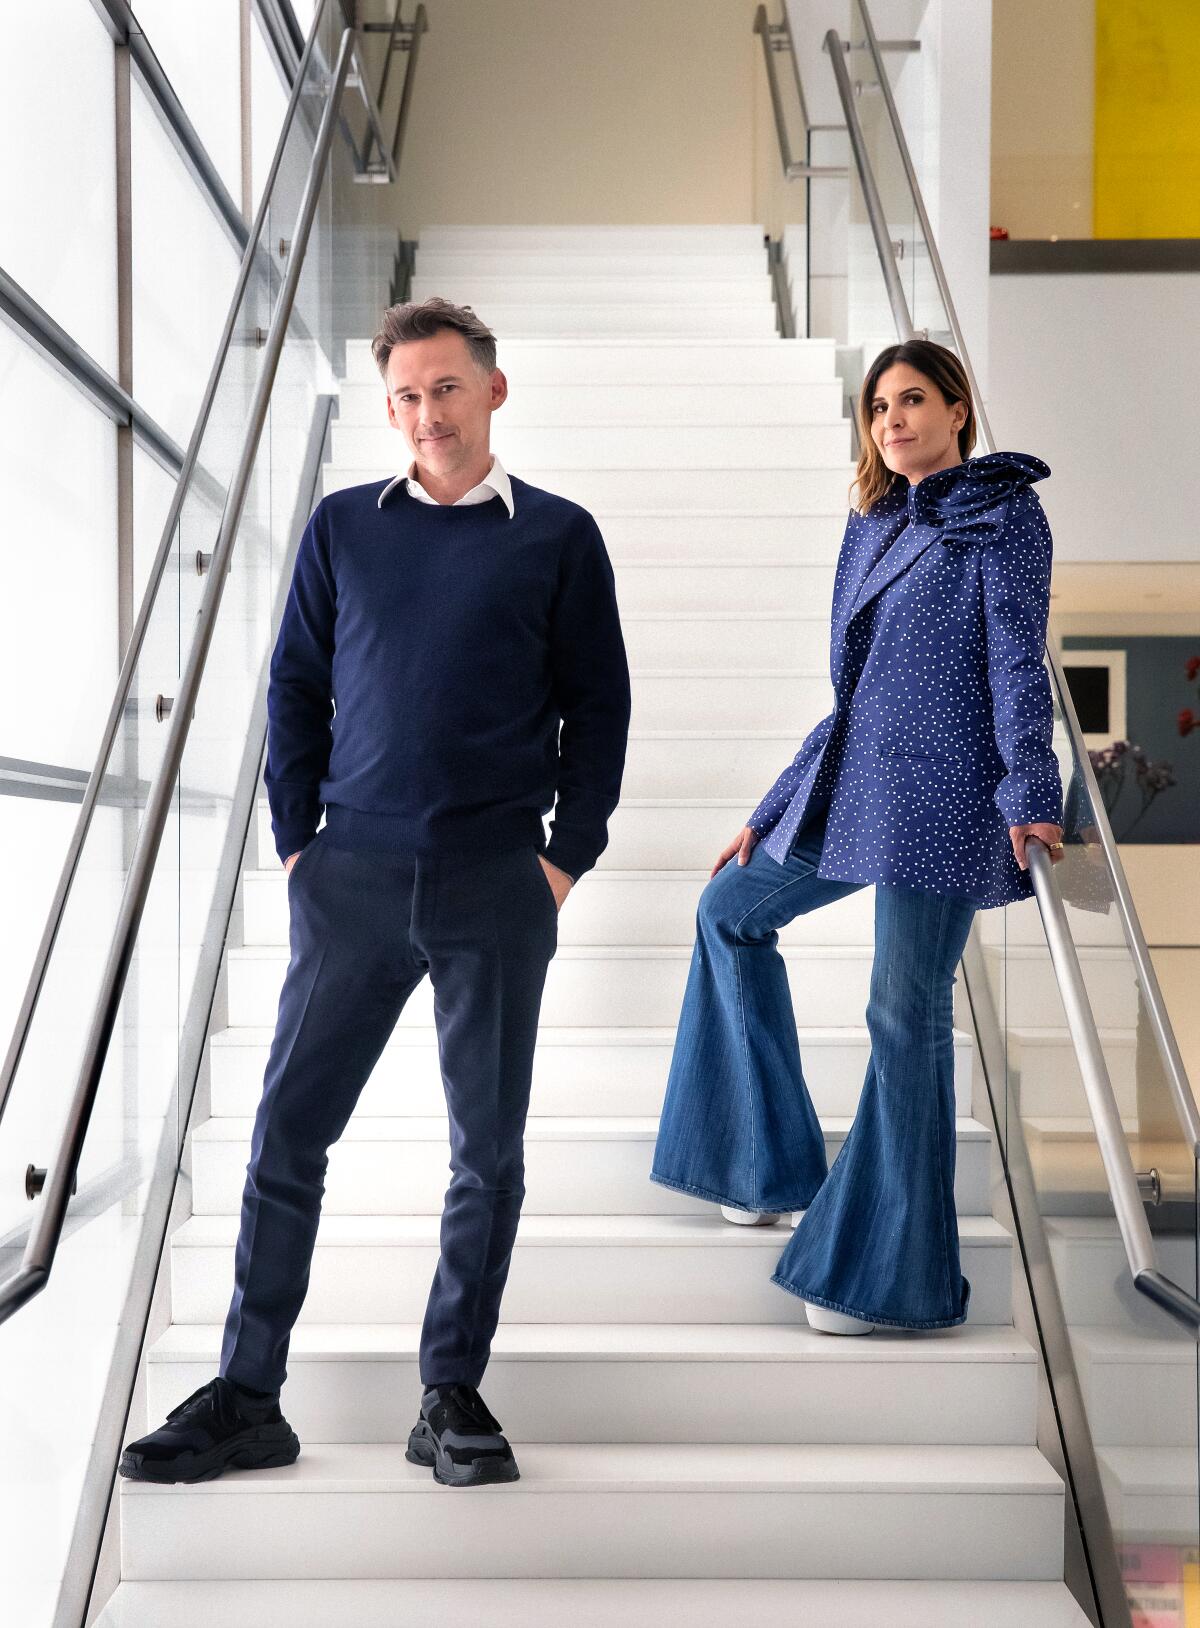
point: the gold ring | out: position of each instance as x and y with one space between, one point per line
1054 845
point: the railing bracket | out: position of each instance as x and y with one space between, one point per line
35 1180
1150 1185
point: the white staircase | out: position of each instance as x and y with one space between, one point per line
690 1450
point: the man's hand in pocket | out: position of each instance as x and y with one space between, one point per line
560 883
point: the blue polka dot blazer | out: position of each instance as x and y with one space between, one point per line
940 735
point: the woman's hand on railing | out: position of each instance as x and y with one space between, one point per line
1051 835
742 845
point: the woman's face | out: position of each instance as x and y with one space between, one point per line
915 430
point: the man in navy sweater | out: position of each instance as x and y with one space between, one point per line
439 629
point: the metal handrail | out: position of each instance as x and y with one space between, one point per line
777 37
1102 1100
419 27
870 191
402 36
31 1276
1118 1165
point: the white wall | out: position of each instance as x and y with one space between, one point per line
1042 117
1094 372
545 113
956 39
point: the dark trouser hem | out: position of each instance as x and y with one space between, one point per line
867 1316
271 1389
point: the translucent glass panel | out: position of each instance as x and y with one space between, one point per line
199 49
58 611
184 268
59 645
1137 1367
268 103
56 1353
58 225
58 662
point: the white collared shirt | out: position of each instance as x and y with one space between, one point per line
494 484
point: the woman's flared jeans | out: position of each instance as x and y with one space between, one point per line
879 1236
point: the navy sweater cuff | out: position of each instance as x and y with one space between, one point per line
571 855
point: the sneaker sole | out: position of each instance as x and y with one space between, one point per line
261 1454
423 1450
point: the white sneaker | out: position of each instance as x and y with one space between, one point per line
835 1322
751 1218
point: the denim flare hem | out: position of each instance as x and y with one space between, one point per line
733 1203
876 1317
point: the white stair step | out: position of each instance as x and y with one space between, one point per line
1094 1279
608 907
662 446
1027 991
360 1510
591 1603
650 486
741 491
729 639
598 986
623 318
598 1269
700 239
1021 923
1046 1070
503 287
575 1071
1139 1387
573 1166
680 359
648 1382
718 539
701 764
667 835
717 776
1150 1493
721 697
682 588
552 405
676 265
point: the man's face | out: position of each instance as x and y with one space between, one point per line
442 403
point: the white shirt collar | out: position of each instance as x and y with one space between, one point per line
494 484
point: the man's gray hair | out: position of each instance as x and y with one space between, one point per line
404 323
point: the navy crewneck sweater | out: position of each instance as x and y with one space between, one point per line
426 658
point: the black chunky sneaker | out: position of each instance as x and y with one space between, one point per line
218 1427
459 1440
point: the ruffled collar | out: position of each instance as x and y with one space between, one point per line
961 499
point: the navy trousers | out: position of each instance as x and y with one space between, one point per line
365 930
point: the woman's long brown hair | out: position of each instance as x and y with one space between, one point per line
943 369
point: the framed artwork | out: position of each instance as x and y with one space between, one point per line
1096 680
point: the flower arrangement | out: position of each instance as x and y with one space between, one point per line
1112 763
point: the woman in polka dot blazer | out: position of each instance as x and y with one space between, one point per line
925 779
